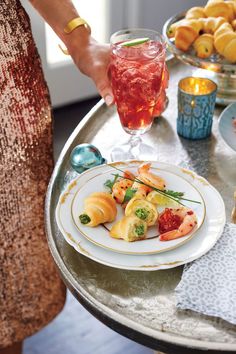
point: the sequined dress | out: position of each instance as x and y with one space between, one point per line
31 292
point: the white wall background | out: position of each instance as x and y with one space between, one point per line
154 13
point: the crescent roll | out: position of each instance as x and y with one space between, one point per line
195 12
143 209
99 208
225 42
129 228
204 45
220 8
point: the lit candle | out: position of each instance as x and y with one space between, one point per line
197 86
196 102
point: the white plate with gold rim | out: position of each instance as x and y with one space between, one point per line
226 125
203 240
152 244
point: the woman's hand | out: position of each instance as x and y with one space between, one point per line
94 62
92 59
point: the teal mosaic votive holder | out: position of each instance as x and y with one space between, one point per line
196 103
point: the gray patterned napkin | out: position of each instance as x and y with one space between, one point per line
208 285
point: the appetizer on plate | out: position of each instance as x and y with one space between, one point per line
143 209
139 197
129 228
175 223
99 208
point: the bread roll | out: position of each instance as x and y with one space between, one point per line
233 24
99 208
220 8
204 45
143 209
195 12
225 42
129 228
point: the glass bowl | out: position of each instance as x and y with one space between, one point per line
215 67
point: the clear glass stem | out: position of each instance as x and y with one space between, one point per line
135 142
133 149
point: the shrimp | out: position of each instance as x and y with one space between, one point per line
183 220
141 190
150 178
129 175
119 189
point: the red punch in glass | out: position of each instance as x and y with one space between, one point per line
162 101
136 70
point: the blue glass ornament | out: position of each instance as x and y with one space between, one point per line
85 156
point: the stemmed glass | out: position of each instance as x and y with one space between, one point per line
137 72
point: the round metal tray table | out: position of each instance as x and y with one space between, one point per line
141 305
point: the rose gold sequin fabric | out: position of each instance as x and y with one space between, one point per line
31 292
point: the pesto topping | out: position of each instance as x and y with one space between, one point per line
142 213
84 219
139 230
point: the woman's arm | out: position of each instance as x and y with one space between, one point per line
92 58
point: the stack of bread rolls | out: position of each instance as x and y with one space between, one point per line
208 30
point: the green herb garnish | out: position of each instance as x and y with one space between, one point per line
129 193
142 213
110 183
176 196
84 219
139 230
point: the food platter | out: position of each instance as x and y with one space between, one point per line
204 238
100 234
226 129
215 67
214 63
